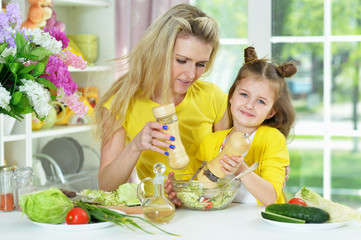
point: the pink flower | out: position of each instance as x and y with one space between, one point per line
73 101
58 35
57 72
71 59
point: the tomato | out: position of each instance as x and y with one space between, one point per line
298 201
208 204
77 216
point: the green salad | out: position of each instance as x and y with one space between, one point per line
125 195
194 196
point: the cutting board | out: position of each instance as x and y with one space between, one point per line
127 210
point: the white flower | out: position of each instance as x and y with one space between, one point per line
44 39
38 97
7 52
4 98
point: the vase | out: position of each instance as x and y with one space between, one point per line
9 123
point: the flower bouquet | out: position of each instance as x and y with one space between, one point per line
34 69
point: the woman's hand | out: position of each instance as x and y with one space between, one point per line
168 187
152 138
232 165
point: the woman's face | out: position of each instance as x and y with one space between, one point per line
190 57
252 103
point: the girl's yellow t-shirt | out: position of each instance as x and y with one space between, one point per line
203 106
268 148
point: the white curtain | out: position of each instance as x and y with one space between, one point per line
133 17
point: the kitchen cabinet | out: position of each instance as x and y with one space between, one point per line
80 17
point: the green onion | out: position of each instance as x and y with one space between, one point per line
106 215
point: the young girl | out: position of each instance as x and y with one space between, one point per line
259 104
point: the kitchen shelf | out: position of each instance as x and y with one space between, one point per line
55 131
89 69
60 130
82 3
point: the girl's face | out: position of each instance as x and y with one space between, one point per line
252 103
190 57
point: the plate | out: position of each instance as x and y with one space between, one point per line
66 154
76 227
307 226
79 227
81 152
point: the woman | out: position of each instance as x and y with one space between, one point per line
163 67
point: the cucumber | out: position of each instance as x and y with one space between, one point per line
280 218
309 214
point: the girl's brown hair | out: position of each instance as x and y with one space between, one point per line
285 115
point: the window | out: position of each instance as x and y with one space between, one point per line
325 150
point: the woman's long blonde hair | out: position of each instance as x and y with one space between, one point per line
149 65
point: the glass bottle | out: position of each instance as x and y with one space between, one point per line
158 208
6 189
24 183
166 114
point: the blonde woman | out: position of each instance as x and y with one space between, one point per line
163 67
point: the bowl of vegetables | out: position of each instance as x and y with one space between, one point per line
195 195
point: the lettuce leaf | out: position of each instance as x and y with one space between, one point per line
337 211
128 193
125 195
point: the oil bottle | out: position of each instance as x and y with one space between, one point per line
158 208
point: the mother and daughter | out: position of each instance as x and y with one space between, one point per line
164 67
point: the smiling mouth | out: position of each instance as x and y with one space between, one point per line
246 113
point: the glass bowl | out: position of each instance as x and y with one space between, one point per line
194 195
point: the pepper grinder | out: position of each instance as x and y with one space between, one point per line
166 114
237 145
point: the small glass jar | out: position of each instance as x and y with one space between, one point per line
166 114
6 189
24 183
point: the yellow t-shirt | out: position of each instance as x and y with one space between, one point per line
203 106
268 148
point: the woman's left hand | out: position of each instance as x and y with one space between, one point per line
231 165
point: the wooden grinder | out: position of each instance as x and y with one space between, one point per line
166 114
237 144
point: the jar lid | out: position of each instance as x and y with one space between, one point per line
6 168
163 110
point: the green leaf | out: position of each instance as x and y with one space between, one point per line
1 67
27 69
16 98
39 69
20 41
46 83
40 53
3 46
14 67
26 76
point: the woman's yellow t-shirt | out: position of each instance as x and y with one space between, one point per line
203 106
268 148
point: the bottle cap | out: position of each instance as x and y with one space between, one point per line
163 110
159 169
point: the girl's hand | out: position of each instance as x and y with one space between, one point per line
231 165
168 187
152 138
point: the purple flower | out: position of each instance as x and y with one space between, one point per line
58 35
13 14
9 23
58 74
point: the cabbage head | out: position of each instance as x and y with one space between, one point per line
47 206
